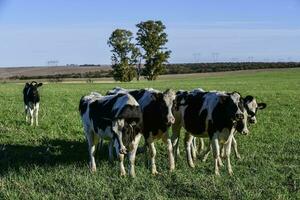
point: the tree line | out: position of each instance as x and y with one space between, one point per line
184 68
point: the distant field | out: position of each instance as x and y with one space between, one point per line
43 71
51 161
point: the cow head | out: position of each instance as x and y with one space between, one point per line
31 91
164 103
180 99
235 111
252 107
169 98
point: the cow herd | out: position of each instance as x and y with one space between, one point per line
123 116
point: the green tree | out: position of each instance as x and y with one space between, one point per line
125 55
152 38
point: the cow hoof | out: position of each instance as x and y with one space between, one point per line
230 173
172 167
93 169
192 165
217 174
154 173
238 157
123 174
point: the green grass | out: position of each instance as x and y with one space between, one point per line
51 161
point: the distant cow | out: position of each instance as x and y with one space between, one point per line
209 114
114 117
157 119
31 101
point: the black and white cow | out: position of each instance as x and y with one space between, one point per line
157 119
251 107
117 118
209 114
32 101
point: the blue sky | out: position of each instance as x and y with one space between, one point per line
33 32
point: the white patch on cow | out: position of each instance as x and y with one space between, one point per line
252 106
235 97
118 90
93 96
211 100
169 97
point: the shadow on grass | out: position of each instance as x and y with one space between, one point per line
49 153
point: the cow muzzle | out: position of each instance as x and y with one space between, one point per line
252 120
245 131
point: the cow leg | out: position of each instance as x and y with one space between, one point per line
175 139
121 158
206 153
216 152
36 114
188 143
132 154
110 151
234 144
202 146
152 157
194 148
168 141
117 127
26 114
222 151
31 116
227 154
92 149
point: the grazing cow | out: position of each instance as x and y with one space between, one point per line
157 119
31 101
209 114
117 118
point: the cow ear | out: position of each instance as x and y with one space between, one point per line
261 106
26 84
39 85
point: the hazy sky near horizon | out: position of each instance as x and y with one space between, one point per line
33 32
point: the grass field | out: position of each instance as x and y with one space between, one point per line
51 161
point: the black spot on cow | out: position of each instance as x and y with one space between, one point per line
195 122
137 94
101 112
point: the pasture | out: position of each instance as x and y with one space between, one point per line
51 161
